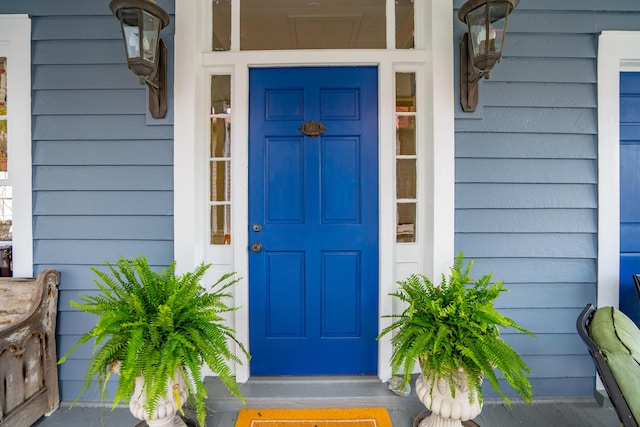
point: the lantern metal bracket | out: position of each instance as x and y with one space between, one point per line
157 87
469 77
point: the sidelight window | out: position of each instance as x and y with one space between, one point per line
220 161
406 158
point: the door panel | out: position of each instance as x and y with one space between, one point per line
313 287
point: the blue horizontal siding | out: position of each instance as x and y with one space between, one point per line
532 220
102 170
116 127
534 171
546 344
84 76
75 28
525 245
104 152
37 8
535 270
546 295
582 6
526 145
550 95
103 178
533 196
68 102
91 252
103 203
548 45
526 182
526 119
65 52
104 227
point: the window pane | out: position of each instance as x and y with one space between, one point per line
221 94
406 227
404 24
220 181
324 24
151 29
405 135
406 92
221 25
3 119
220 137
406 178
220 225
6 213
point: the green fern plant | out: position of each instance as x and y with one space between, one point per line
454 327
152 324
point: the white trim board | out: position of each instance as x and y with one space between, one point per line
617 51
15 44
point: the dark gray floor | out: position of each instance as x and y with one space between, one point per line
305 392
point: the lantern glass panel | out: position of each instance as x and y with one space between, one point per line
130 21
487 39
150 36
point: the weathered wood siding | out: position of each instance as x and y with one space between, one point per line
526 179
102 169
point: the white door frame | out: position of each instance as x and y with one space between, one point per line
432 59
617 51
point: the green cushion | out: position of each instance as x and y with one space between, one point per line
619 339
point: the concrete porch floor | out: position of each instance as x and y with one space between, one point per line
305 392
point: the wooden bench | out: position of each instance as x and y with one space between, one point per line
28 364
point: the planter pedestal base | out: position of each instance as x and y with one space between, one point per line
177 422
425 414
446 411
166 410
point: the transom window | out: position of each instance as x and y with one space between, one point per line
312 24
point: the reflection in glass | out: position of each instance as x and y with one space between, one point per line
406 227
220 225
220 159
221 94
405 135
220 137
129 19
406 179
326 24
220 185
3 119
404 24
151 27
406 92
221 25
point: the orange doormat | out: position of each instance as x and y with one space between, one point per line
351 417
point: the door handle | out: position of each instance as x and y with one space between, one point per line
256 247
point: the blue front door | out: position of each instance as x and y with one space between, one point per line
313 221
629 192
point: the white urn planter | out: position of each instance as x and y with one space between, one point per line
447 411
165 413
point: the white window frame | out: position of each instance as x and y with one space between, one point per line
194 63
15 45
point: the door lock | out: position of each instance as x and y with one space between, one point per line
256 247
256 227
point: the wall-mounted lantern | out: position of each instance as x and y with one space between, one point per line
481 45
141 22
